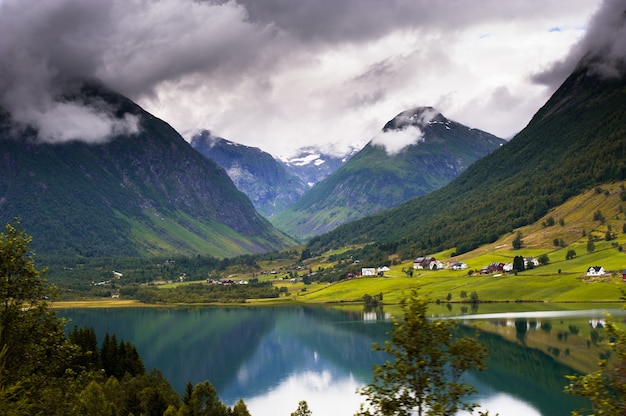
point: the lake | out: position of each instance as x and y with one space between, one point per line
273 357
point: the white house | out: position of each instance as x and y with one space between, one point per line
438 265
368 271
507 267
382 270
596 271
457 265
530 260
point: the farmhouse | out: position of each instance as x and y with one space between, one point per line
492 268
458 266
530 260
382 269
596 271
368 271
424 262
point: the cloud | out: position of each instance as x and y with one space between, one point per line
602 50
280 74
131 46
68 121
395 140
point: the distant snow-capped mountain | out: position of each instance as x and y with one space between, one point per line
272 183
416 152
312 164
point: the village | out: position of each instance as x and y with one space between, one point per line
431 263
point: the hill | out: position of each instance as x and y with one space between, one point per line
265 180
417 151
576 141
138 194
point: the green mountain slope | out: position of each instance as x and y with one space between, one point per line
143 194
377 178
577 140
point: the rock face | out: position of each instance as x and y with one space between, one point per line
416 152
256 173
139 194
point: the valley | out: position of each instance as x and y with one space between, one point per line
322 279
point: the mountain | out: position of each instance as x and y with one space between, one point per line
313 164
140 194
255 172
575 142
417 152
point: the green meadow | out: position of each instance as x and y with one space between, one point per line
593 215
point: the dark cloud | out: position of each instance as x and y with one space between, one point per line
132 46
602 50
364 20
268 73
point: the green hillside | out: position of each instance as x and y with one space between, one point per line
144 194
576 141
570 226
376 179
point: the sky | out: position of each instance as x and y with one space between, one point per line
283 74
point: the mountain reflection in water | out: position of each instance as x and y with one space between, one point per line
274 357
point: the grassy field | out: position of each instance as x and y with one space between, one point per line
594 214
100 303
558 281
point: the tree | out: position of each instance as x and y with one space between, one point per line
302 410
549 222
570 254
25 317
205 402
428 362
543 259
306 254
606 387
518 264
474 297
591 247
518 242
240 409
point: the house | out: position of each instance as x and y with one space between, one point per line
492 268
508 267
596 271
530 260
424 262
623 275
368 271
458 266
381 270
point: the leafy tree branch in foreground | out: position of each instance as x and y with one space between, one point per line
424 375
606 387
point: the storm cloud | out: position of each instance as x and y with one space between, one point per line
602 50
280 74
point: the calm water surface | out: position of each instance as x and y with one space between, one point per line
274 357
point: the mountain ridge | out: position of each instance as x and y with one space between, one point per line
575 141
139 194
428 151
